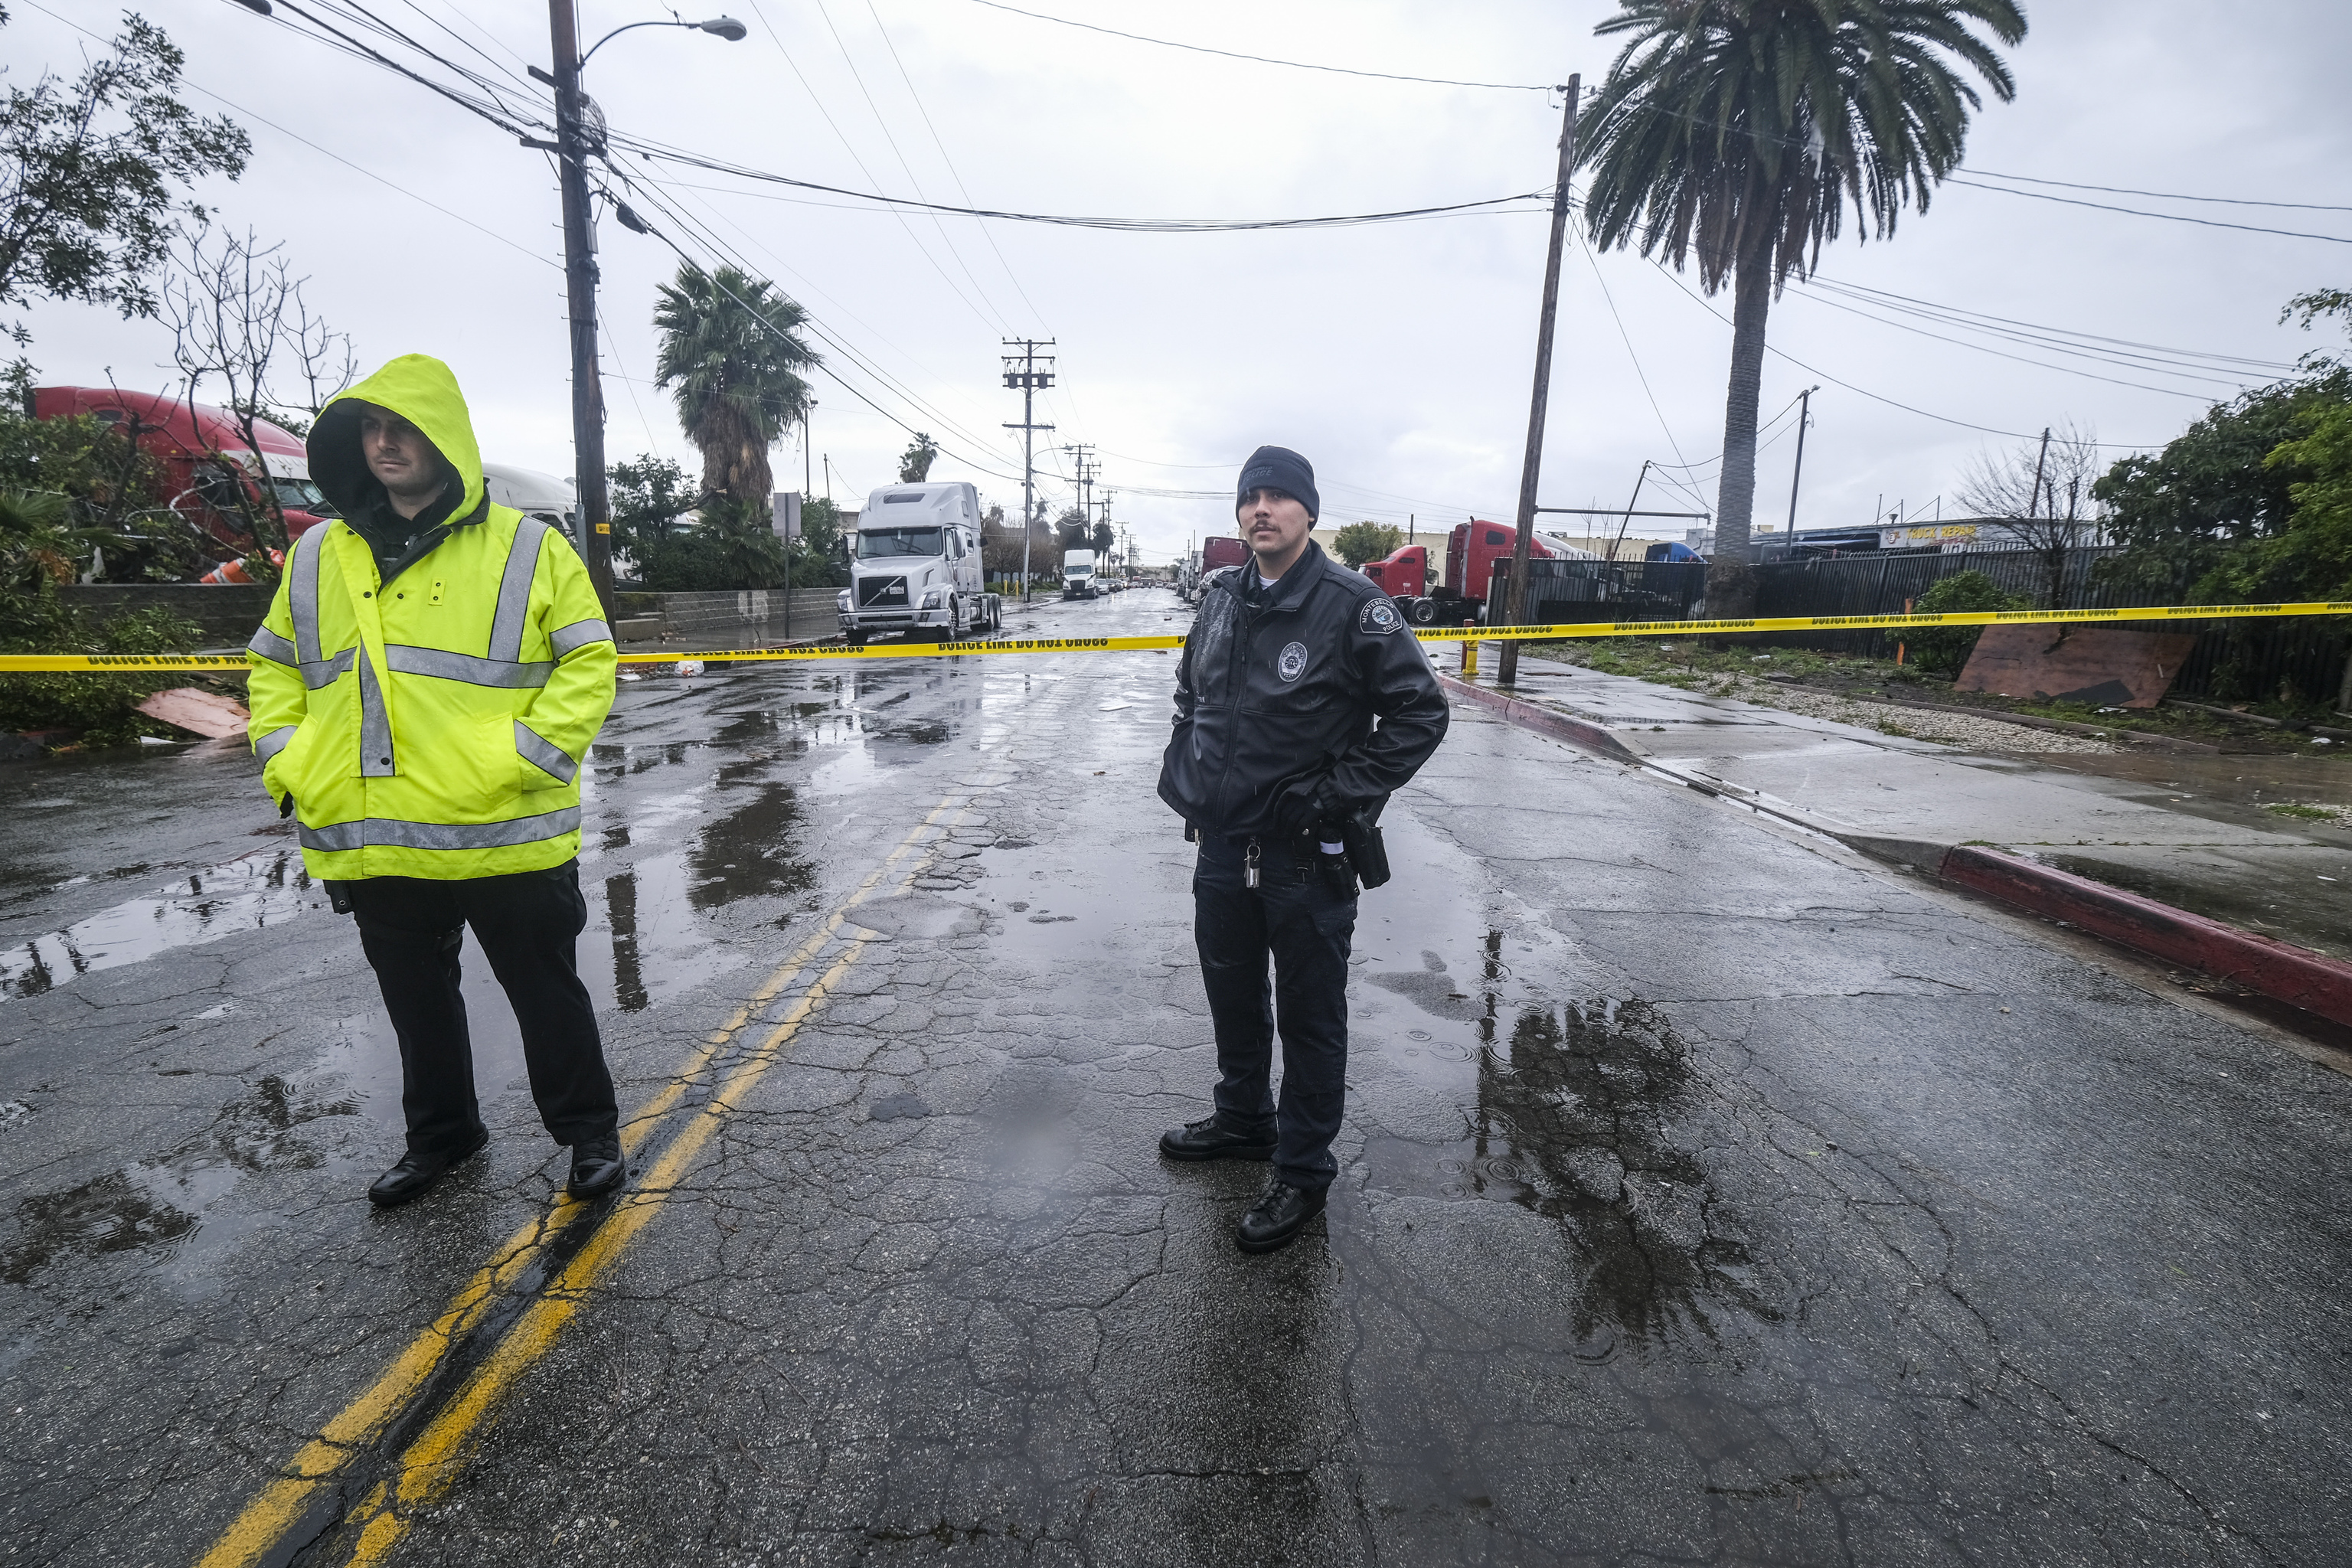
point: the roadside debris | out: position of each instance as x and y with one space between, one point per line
199 713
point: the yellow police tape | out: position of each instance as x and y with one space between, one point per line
116 664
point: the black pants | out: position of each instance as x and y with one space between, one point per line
411 930
1304 926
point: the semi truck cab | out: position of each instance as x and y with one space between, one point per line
915 568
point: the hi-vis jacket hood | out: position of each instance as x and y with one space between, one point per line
432 725
421 390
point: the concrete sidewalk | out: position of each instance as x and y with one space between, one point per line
2189 831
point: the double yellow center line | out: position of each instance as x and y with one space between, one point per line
434 1458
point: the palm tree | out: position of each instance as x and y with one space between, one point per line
731 345
1739 129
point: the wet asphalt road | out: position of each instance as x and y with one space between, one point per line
1706 1197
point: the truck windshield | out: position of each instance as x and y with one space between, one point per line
300 495
876 542
1080 569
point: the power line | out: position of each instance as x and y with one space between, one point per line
827 370
653 193
2160 196
1126 226
2020 359
841 136
858 77
945 157
1262 60
719 250
1880 397
262 120
2063 337
2136 212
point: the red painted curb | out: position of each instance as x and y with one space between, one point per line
1578 733
2295 975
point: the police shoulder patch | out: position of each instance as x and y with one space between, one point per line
1379 615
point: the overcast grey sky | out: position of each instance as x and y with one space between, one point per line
1396 356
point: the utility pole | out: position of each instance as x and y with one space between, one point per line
573 144
1028 380
1531 469
2033 507
1804 416
1088 472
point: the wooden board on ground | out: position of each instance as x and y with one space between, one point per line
199 713
2104 667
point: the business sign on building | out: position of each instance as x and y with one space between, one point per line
1926 534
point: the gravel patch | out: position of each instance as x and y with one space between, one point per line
1948 728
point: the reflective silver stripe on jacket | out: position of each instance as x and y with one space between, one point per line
375 729
514 591
302 594
579 634
272 743
408 660
269 645
390 833
320 672
548 758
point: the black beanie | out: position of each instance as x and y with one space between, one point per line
1280 469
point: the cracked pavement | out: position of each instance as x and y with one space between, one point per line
1706 1196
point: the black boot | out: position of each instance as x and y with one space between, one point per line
409 1179
1210 1139
1277 1218
597 1166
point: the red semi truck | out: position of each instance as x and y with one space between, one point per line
1470 556
214 477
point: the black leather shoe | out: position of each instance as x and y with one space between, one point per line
1278 1217
1209 1139
597 1167
407 1181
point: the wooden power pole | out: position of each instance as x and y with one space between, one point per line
1531 469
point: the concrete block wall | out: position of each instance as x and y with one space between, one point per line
228 612
749 615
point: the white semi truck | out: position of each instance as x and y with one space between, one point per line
1078 575
914 569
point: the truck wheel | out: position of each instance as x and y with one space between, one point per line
1423 612
854 639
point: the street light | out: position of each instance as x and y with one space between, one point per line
579 133
726 27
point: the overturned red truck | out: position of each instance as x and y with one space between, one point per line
214 478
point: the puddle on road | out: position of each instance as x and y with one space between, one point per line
1586 1112
162 1203
267 887
748 852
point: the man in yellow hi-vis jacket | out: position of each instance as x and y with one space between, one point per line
431 674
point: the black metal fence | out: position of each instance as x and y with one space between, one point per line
2236 661
1568 591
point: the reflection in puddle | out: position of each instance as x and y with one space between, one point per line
159 1201
1575 1119
255 890
621 910
748 852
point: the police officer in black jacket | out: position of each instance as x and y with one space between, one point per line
1302 703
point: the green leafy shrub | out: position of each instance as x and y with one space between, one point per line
102 708
1945 649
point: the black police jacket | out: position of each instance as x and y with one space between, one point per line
1320 687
